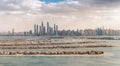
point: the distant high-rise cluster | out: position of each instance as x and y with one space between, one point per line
42 30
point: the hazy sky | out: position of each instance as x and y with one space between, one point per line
68 14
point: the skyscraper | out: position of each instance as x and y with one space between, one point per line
99 31
34 29
42 29
13 32
54 29
48 29
37 32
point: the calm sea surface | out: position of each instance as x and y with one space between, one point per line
112 60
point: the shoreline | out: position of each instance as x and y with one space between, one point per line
56 47
27 45
105 54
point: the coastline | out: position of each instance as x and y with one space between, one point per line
33 44
105 54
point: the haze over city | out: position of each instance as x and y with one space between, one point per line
68 14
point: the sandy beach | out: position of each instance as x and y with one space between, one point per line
105 54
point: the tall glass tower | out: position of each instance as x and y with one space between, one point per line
35 30
48 29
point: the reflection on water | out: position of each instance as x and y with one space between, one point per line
65 61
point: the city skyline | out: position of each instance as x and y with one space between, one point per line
68 14
48 30
48 24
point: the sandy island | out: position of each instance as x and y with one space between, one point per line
105 54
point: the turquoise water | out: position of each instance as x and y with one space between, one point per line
113 60
60 61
